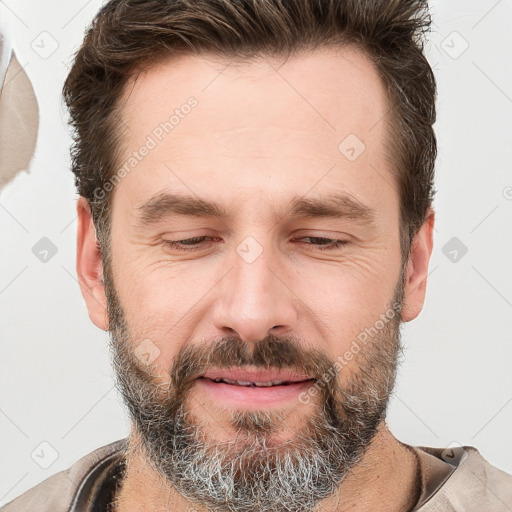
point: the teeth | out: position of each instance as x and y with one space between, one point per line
238 382
271 383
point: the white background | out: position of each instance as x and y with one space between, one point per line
455 385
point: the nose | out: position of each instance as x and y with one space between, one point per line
255 300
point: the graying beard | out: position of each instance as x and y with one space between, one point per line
291 477
257 476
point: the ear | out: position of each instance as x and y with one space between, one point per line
417 269
89 266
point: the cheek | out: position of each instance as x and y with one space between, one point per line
163 305
345 298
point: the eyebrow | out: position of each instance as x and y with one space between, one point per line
334 206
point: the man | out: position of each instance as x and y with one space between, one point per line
255 222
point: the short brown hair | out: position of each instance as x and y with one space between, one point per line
128 35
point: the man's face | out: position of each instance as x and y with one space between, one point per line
278 147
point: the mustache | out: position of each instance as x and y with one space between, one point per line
271 352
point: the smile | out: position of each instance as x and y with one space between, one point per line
257 384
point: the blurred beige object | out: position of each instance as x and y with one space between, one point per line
19 121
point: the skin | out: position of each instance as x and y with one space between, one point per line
262 132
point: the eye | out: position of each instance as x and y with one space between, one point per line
196 243
325 244
189 244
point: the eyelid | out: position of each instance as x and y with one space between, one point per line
181 247
334 243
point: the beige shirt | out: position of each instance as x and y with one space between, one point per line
463 482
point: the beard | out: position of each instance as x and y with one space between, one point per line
253 471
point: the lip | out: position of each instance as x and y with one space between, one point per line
251 375
251 397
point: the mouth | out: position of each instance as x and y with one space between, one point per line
253 388
267 384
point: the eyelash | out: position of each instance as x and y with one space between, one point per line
175 244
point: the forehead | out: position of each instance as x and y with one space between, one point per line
266 124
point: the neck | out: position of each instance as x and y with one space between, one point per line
386 479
